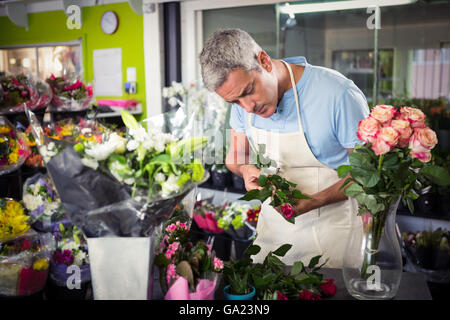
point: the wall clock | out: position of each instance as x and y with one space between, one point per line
109 22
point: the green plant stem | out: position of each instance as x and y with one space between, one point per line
380 161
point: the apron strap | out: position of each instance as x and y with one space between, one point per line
294 87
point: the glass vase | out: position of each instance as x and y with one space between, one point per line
372 266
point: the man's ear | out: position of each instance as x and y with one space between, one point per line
264 61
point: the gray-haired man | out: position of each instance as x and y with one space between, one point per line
307 116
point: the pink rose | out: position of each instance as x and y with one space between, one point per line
328 288
385 141
287 210
367 129
422 156
383 113
281 296
404 129
415 116
308 295
217 264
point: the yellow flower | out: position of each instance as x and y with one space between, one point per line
13 220
41 264
4 130
14 155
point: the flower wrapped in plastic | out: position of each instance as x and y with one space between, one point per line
120 189
71 250
187 271
43 204
24 253
70 93
13 149
20 91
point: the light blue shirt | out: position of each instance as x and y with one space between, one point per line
331 107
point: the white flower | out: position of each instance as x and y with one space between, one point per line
148 144
35 188
173 101
86 130
89 162
129 181
170 185
160 177
160 146
178 88
69 245
32 202
139 134
50 208
165 92
79 257
132 145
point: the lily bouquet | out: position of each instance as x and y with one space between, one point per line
387 167
187 271
22 91
13 149
70 93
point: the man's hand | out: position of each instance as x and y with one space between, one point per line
250 174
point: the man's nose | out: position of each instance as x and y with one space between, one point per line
248 104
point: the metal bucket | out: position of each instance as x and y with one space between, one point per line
121 268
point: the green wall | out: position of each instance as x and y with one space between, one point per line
51 27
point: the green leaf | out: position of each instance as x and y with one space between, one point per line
297 194
250 195
353 190
129 121
262 180
77 240
264 194
372 179
314 261
61 228
297 268
281 251
253 249
275 261
343 170
437 175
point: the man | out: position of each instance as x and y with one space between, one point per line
307 116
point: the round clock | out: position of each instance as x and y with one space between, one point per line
109 22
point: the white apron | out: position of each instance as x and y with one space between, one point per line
322 231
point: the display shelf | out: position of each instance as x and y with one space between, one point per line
418 214
135 111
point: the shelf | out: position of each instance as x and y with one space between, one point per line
418 214
135 111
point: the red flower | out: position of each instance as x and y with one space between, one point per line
75 86
287 210
308 295
15 82
25 245
328 288
281 296
89 91
53 77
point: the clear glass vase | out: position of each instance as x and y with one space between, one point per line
372 267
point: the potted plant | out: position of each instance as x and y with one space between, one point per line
238 282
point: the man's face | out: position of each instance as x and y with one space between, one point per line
255 91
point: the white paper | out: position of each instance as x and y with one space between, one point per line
131 74
108 72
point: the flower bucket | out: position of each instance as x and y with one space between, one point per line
121 267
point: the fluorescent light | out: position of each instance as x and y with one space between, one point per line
340 5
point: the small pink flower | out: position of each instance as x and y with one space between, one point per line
383 113
287 210
171 227
171 272
366 218
217 264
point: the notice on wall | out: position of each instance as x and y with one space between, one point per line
108 72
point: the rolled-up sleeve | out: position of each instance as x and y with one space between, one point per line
349 111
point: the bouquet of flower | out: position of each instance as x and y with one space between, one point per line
13 150
282 192
22 91
187 271
34 159
273 280
43 204
71 250
13 220
70 93
387 167
24 263
206 216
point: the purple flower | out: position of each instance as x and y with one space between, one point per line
64 257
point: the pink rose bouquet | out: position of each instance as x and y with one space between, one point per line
396 153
